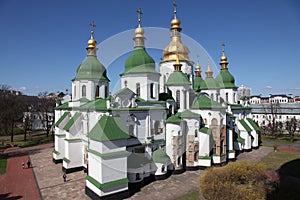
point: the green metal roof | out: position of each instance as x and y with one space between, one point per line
72 121
137 160
245 125
139 62
97 104
205 130
173 119
189 114
91 68
240 139
208 83
160 156
62 118
63 106
205 102
197 83
225 79
178 78
109 128
253 124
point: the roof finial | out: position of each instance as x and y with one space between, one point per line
139 11
223 49
198 59
175 7
93 25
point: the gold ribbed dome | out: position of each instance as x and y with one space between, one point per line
198 68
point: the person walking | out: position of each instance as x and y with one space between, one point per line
65 177
23 164
28 163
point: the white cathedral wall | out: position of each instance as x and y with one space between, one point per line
166 68
144 80
231 93
204 144
171 130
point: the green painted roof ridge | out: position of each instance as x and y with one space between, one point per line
72 121
109 128
253 124
62 118
245 125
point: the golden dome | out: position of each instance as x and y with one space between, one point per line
198 68
223 58
175 23
176 47
139 31
92 43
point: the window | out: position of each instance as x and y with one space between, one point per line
97 91
106 91
196 133
74 91
226 97
131 129
212 96
163 168
178 99
83 91
152 90
125 83
138 89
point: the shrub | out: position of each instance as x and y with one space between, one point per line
240 180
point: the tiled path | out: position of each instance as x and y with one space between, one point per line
51 185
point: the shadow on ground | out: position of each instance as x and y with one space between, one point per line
7 197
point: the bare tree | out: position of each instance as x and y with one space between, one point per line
291 127
11 110
272 112
46 108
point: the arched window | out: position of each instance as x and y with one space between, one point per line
152 90
157 128
178 99
196 133
74 91
106 91
125 83
131 129
83 92
97 91
138 89
214 121
226 96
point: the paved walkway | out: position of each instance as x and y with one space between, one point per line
51 185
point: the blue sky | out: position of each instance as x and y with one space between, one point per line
43 42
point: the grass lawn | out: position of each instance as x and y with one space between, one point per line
190 196
275 160
3 160
35 138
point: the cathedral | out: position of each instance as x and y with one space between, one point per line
159 123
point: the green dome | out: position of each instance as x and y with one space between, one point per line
160 156
204 102
225 79
178 78
197 83
91 68
139 62
208 83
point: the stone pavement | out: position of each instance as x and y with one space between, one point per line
51 185
19 184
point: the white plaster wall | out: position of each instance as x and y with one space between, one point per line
204 144
166 68
144 80
171 130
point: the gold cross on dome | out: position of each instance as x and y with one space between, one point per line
175 6
139 11
223 48
93 25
